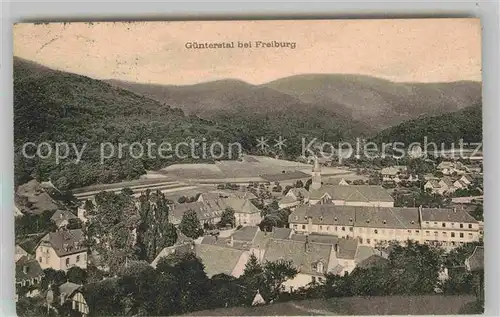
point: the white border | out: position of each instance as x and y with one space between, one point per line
117 10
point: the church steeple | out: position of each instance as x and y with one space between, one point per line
316 174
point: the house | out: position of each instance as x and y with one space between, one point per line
206 214
17 212
434 187
312 260
449 168
314 256
378 225
66 290
389 173
20 252
61 217
337 181
466 180
28 275
79 303
178 248
293 198
221 259
353 195
214 195
209 211
62 250
447 185
245 212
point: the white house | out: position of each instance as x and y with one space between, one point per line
61 217
62 250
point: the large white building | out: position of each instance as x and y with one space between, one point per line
375 225
62 250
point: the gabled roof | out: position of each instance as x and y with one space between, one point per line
218 259
68 288
62 215
65 242
304 256
363 193
434 183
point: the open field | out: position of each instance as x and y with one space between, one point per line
387 305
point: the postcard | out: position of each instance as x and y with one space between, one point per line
250 167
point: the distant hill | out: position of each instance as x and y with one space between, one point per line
465 124
371 104
53 106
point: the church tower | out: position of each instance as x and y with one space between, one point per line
316 175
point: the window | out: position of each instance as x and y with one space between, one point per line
350 229
470 225
427 222
444 233
314 279
303 227
368 241
375 231
453 234
417 231
321 228
443 225
435 233
343 228
319 267
461 234
409 232
435 223
427 233
336 228
77 259
67 261
461 225
470 235
40 259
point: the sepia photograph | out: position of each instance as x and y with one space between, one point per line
248 167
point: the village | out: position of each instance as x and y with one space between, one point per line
324 219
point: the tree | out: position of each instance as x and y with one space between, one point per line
275 274
478 213
77 275
52 277
252 278
74 223
227 218
414 269
190 225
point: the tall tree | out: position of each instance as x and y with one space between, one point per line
190 225
227 218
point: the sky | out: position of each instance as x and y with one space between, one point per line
404 50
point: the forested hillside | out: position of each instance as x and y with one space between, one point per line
447 128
